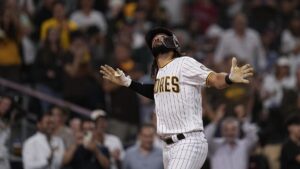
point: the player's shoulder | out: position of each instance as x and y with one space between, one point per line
188 60
185 58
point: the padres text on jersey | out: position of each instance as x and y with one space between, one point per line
167 84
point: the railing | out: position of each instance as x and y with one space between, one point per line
50 99
27 128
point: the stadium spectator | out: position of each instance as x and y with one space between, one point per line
273 84
86 17
87 126
10 36
242 42
97 46
268 38
123 59
42 13
75 125
60 129
144 155
290 40
61 22
213 34
112 142
230 151
114 8
43 149
77 68
88 151
5 131
48 67
290 153
26 46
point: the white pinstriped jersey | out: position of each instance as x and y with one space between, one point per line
177 94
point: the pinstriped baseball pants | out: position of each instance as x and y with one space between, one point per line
189 153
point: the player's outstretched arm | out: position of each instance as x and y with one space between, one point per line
236 75
118 77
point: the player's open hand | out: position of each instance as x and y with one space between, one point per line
240 74
115 76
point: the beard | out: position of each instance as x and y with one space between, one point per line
160 49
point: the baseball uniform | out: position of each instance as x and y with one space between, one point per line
178 106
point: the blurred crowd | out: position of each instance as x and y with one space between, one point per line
57 46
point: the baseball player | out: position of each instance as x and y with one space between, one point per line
177 96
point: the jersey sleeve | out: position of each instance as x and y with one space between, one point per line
194 73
